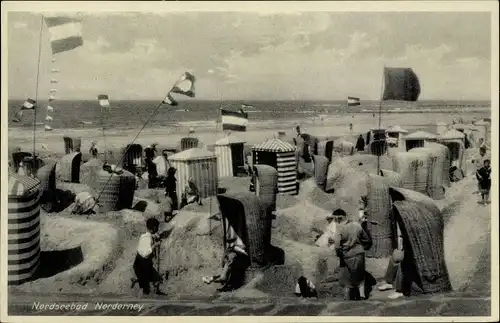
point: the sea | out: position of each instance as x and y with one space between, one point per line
133 114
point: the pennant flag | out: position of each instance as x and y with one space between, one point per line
185 85
103 100
55 70
54 81
48 118
44 146
47 128
246 106
170 100
53 59
17 117
234 120
29 104
352 101
401 84
66 33
52 97
53 91
50 109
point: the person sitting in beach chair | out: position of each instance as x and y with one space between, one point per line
305 288
143 263
191 194
234 264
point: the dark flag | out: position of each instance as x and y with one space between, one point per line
352 101
401 84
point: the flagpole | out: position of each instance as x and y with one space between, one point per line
380 116
36 91
104 135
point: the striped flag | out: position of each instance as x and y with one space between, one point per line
246 106
54 81
55 70
185 85
66 33
48 118
352 101
47 128
52 97
103 100
50 108
170 100
53 91
29 104
234 120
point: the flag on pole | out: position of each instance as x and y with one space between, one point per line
47 128
401 84
170 100
48 118
29 104
53 91
52 97
103 100
352 101
185 85
55 70
66 33
50 108
246 106
54 81
234 120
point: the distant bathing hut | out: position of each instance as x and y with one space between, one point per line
132 160
230 156
441 128
280 155
116 190
418 139
395 136
23 223
189 142
201 166
72 144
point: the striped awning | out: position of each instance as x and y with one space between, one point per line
274 145
20 185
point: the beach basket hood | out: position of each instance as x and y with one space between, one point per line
266 185
274 145
246 214
68 167
421 135
452 134
17 158
321 164
132 157
23 228
402 194
47 177
189 142
422 229
414 169
72 145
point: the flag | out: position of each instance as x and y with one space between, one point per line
234 120
401 84
50 109
54 81
52 97
103 100
170 100
246 106
352 101
55 70
185 85
47 128
53 91
66 33
29 104
48 118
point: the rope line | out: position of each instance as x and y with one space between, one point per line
36 91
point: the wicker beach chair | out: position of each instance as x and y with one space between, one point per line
189 142
414 170
422 227
17 159
402 194
438 166
392 178
32 165
47 177
68 168
321 164
132 158
379 209
325 148
72 144
378 147
246 214
117 191
266 186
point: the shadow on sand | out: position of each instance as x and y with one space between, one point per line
54 262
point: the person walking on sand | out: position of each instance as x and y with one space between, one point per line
350 241
350 126
143 263
360 143
484 177
171 188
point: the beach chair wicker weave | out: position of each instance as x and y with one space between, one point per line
72 144
325 148
379 209
423 228
414 170
266 185
247 215
88 172
392 178
189 142
117 190
435 185
68 167
132 158
321 164
47 177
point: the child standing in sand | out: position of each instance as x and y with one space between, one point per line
484 177
143 264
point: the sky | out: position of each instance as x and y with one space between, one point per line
255 56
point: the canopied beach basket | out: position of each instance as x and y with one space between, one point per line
325 148
68 167
47 177
280 155
230 156
89 170
23 228
392 178
117 190
189 142
266 186
72 145
437 168
199 164
132 158
246 214
321 164
422 227
379 209
414 169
